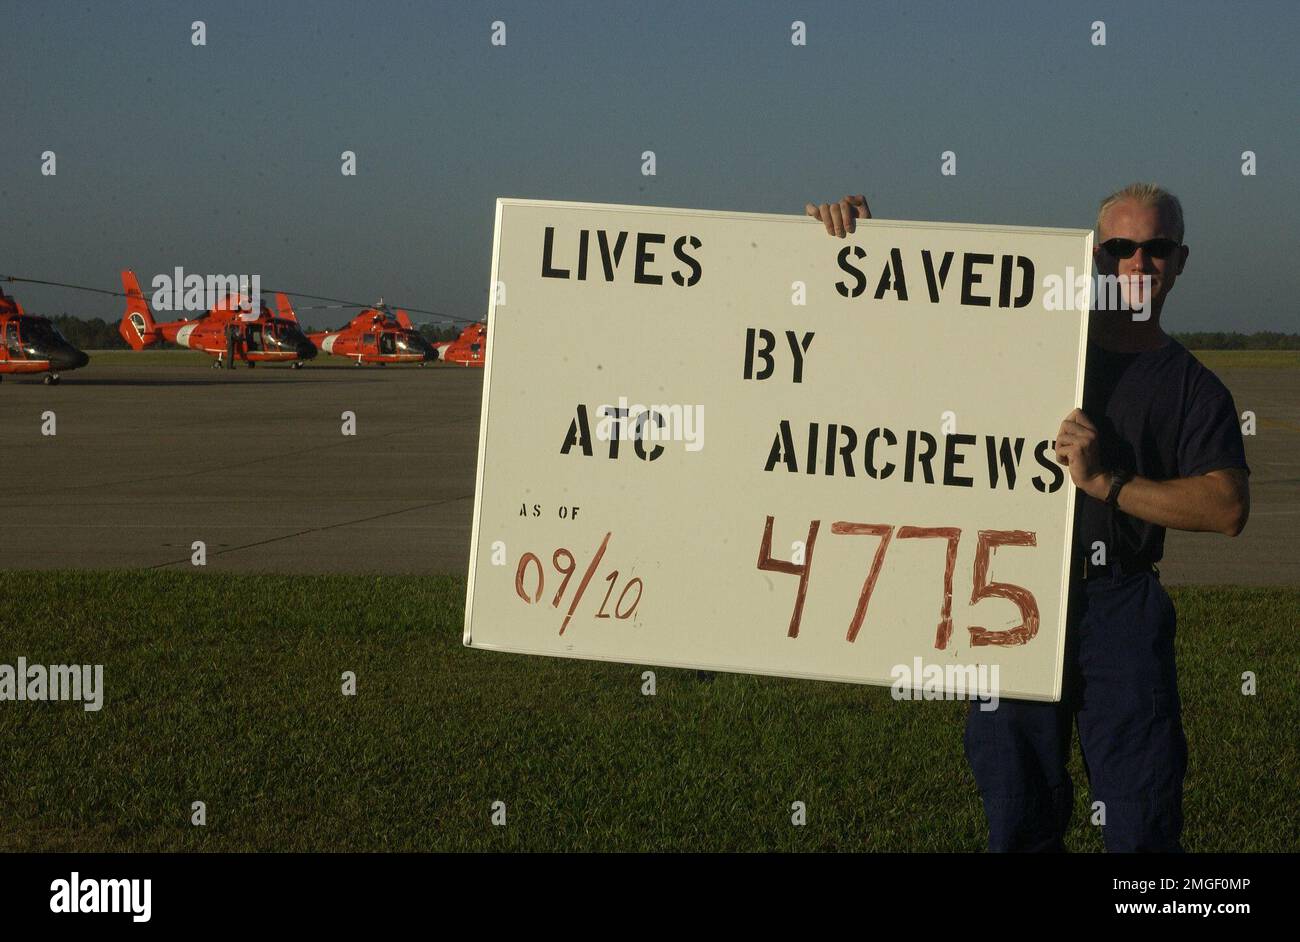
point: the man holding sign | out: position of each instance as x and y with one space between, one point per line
1157 445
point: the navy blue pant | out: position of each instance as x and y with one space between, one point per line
1121 688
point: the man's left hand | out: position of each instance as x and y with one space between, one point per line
1077 447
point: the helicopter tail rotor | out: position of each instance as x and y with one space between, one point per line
137 328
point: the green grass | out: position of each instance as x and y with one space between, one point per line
1249 359
154 356
227 689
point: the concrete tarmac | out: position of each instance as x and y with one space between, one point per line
1266 552
149 458
253 462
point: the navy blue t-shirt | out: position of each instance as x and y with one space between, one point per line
1160 414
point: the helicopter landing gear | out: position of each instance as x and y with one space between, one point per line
298 364
217 364
51 379
252 363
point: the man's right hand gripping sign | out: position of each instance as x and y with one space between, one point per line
838 217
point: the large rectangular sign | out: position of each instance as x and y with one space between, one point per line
730 441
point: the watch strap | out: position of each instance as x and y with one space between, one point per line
1117 480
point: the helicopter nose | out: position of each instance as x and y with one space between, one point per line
306 350
68 359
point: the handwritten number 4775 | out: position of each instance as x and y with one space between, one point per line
982 588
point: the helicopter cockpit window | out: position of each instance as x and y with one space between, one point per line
387 344
11 339
37 332
38 336
288 332
255 337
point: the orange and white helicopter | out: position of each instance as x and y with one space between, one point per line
230 331
31 344
376 336
469 349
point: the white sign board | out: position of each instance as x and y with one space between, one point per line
730 441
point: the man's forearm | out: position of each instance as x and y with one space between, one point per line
1202 503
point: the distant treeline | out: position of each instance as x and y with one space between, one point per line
99 334
1218 340
95 333
435 334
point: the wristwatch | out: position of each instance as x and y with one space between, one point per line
1117 480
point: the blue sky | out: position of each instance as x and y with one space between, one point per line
225 158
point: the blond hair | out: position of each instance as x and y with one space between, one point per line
1147 194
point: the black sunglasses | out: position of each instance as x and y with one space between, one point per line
1125 248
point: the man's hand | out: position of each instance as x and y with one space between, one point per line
1077 446
838 218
